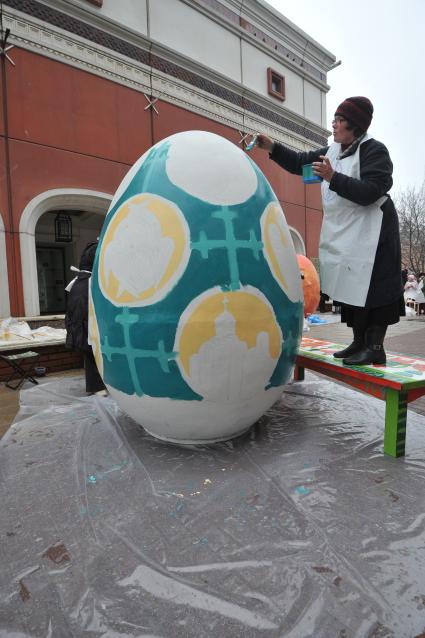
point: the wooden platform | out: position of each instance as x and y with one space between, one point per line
398 383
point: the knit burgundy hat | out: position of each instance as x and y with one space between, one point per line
358 110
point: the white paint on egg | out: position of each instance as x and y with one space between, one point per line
225 369
210 168
139 254
191 422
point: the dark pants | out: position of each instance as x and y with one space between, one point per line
94 381
362 318
322 304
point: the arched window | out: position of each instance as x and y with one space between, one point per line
298 241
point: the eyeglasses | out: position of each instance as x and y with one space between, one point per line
338 120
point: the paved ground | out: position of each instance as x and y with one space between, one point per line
9 401
407 337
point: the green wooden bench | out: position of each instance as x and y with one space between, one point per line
14 361
398 383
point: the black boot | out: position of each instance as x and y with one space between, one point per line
355 346
373 351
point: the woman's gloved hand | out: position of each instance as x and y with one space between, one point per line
264 142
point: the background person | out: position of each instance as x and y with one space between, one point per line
404 274
359 252
420 295
77 319
411 288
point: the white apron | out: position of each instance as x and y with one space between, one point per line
349 236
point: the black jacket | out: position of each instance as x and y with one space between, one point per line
375 180
77 315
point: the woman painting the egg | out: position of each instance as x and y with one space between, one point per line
360 255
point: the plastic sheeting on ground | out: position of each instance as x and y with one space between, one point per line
301 528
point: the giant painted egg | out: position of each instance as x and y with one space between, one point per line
196 300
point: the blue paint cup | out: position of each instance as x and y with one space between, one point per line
308 175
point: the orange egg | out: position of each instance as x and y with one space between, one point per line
311 284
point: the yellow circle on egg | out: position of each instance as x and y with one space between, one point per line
251 315
279 251
93 336
144 251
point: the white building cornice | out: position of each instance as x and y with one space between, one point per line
58 44
288 33
258 12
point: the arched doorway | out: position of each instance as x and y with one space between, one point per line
4 285
297 241
43 285
54 258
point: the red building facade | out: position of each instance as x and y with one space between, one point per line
82 98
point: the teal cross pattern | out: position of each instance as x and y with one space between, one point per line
127 319
230 243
